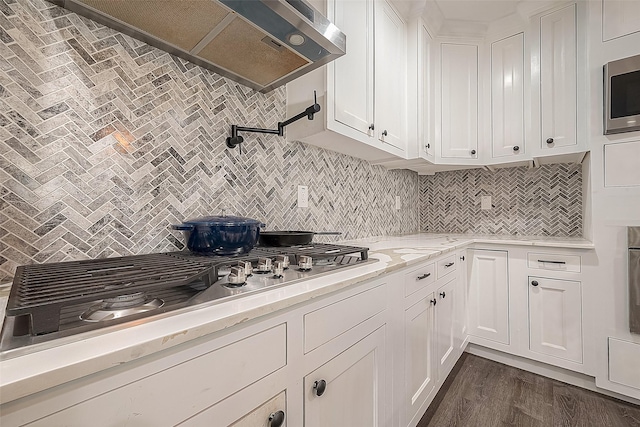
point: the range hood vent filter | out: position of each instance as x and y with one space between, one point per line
262 44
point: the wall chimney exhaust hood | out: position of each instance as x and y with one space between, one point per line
262 44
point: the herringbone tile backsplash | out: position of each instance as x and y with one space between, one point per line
105 141
546 201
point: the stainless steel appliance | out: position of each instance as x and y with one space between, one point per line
622 95
634 279
52 304
262 44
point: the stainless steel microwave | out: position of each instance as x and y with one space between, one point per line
622 95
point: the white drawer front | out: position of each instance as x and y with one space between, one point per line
555 262
326 323
418 279
172 395
446 265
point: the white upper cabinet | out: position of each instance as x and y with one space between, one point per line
558 78
507 97
362 95
459 101
620 18
352 75
390 64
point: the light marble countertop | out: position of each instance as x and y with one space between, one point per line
88 353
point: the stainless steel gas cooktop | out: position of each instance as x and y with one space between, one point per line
52 304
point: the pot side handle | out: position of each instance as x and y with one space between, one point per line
182 227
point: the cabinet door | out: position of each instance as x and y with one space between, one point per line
507 96
419 361
558 78
353 73
459 75
619 18
390 76
555 318
489 295
427 147
354 387
445 328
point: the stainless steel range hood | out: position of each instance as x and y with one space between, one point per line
262 44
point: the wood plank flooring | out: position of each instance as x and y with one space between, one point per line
480 392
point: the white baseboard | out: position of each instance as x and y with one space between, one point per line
549 371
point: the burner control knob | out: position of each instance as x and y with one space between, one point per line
284 259
248 268
278 269
305 262
237 276
264 265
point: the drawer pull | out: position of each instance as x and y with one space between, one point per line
320 387
276 419
424 276
449 264
552 262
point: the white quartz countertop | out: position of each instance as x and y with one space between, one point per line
93 352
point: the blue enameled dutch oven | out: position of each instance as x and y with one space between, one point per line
220 235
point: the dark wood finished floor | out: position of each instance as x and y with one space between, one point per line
481 393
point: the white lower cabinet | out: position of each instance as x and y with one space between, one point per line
194 380
555 318
488 294
349 389
447 353
420 379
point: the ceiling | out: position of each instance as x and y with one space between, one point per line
466 17
476 10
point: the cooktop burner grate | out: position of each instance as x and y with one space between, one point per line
48 300
40 291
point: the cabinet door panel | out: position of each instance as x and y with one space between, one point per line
354 387
459 71
619 18
555 318
419 367
353 81
424 85
445 328
390 80
489 295
507 96
558 78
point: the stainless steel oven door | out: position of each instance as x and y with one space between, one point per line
622 95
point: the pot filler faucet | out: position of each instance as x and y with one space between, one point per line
236 139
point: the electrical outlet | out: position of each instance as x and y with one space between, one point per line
485 202
303 196
397 203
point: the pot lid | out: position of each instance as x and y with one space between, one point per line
208 221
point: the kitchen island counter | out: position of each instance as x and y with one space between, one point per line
92 352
